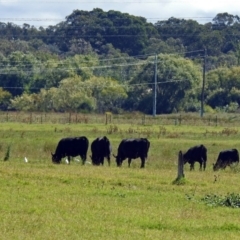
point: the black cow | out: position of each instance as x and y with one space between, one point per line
226 158
101 148
131 149
196 154
71 147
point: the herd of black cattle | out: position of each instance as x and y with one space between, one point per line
132 149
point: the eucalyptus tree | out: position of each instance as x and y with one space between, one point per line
223 86
177 79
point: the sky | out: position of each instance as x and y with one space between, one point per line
50 12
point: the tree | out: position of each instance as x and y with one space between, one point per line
25 102
223 86
73 95
5 97
176 78
225 19
109 94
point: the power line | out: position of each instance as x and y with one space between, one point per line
20 19
61 64
103 86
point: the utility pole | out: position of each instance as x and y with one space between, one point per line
203 82
155 87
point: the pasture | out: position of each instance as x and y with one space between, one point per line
41 200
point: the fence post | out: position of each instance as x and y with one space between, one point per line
180 175
69 120
108 117
30 119
143 120
180 119
180 165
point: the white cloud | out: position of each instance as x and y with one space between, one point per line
51 12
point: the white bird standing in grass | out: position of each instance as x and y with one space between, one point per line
25 160
66 160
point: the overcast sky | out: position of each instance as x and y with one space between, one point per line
50 12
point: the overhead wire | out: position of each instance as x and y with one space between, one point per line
125 64
102 86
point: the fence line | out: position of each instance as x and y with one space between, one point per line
108 118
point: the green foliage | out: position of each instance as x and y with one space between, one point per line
96 43
75 95
223 87
25 102
5 97
109 94
230 200
176 77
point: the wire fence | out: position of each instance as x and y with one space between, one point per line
225 120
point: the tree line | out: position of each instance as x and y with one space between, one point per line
98 61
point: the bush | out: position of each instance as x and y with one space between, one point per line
230 200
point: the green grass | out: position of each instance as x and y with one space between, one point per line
40 200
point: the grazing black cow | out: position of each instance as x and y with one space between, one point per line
226 158
196 154
101 148
131 149
71 147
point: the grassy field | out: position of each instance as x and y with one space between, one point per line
40 200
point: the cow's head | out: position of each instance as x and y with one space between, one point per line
95 160
118 160
216 166
55 158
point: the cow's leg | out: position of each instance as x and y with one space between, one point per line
200 168
102 160
204 165
191 166
142 162
108 159
129 162
83 157
69 159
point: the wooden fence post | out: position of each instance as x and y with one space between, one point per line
106 121
180 166
108 117
180 175
30 118
143 120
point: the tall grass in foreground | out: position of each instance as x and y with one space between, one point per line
39 200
